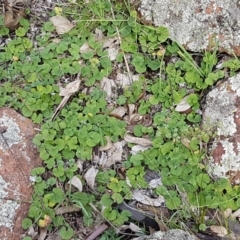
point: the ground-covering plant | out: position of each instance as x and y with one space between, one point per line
31 72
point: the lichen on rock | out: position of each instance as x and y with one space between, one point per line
197 24
222 111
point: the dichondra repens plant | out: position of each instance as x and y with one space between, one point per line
31 73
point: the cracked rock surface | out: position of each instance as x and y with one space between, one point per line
18 157
197 24
222 111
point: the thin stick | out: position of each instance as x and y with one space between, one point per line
97 232
120 41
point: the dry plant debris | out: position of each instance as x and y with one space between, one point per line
119 111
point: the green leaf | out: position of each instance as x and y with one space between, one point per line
38 171
37 118
88 221
194 160
194 144
106 200
60 144
162 190
162 33
66 233
26 238
4 31
195 118
20 32
27 43
138 130
82 198
129 47
173 203
176 171
72 142
26 223
44 155
203 180
167 147
109 213
37 139
202 227
24 23
154 65
117 197
58 195
139 64
122 217
49 200
48 26
27 112
88 55
59 171
136 159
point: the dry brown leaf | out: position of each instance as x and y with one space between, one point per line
43 233
113 155
132 227
139 195
60 106
14 10
135 118
131 108
62 24
32 233
185 142
84 48
137 140
12 3
71 88
80 164
107 146
76 182
236 214
67 209
107 84
183 106
54 236
67 92
227 213
56 40
118 112
219 230
98 34
90 176
10 21
154 183
123 80
112 46
147 120
138 148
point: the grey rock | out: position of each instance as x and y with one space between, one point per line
196 24
173 234
18 157
222 112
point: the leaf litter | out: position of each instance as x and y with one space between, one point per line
112 152
90 176
62 24
67 92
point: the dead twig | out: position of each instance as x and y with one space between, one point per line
120 41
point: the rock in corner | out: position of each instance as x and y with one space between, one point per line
197 24
222 112
18 157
